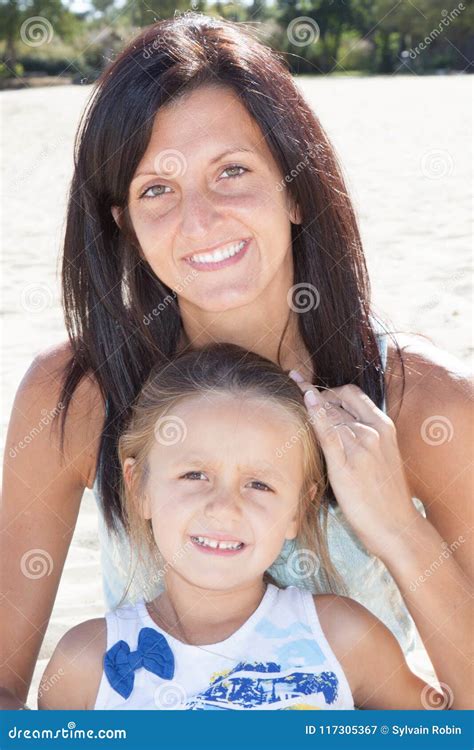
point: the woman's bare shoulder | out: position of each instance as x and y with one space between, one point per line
72 677
39 396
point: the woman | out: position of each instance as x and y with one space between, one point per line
207 205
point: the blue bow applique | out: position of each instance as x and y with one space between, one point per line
153 653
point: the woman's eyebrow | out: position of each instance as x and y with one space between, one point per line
228 150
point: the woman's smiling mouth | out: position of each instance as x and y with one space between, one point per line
222 256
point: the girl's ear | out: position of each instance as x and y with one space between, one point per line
128 466
293 526
128 469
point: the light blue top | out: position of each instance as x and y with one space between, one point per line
365 576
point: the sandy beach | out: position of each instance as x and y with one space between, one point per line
404 143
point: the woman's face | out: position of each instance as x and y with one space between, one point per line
218 476
206 185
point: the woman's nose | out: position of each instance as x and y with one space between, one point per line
198 214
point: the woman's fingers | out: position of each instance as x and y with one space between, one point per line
335 438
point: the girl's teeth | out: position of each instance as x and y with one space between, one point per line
218 255
205 542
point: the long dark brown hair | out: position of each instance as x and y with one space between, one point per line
109 289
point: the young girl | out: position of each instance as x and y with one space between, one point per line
221 469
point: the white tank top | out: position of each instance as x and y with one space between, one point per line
278 659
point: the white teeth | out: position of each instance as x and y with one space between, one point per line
218 255
206 542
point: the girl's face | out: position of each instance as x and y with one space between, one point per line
215 478
208 183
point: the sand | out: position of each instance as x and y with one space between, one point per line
405 146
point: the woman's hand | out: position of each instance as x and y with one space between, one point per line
365 468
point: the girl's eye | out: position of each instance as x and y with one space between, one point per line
236 166
265 487
154 187
193 474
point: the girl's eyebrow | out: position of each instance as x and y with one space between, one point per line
228 150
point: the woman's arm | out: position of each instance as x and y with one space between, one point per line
72 677
377 463
433 561
373 661
40 503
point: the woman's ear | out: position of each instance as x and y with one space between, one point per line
116 213
295 213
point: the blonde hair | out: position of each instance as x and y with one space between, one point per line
225 368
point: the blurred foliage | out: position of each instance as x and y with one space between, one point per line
317 36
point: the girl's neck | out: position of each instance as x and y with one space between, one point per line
201 616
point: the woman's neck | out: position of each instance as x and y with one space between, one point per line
255 330
200 616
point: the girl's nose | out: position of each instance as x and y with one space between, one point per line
224 504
